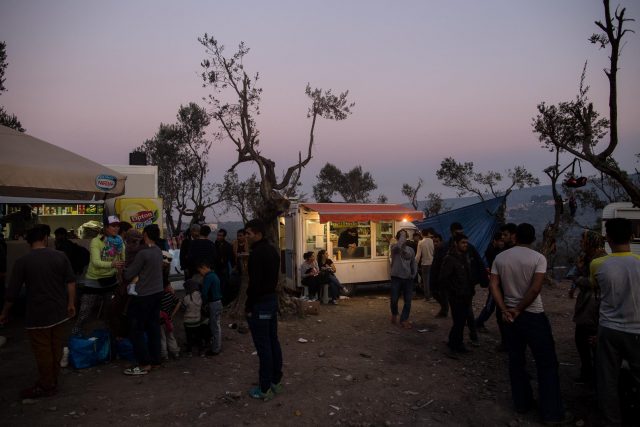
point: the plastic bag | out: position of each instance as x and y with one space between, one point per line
85 352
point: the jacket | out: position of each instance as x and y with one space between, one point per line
455 276
264 269
403 261
192 303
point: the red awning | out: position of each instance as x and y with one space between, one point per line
363 212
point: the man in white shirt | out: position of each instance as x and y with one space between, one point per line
520 271
424 258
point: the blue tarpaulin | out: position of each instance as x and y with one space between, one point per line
479 221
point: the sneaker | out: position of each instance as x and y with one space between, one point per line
256 393
333 302
135 371
37 392
277 388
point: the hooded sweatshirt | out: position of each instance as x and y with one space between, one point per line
403 261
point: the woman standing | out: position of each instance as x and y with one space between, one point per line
107 259
587 304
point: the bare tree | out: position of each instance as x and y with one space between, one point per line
412 192
580 114
464 178
236 117
435 205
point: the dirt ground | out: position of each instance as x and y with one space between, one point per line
356 370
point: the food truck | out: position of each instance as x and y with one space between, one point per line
356 235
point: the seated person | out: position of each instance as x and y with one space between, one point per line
328 275
310 274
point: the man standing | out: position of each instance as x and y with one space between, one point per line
51 292
144 307
201 250
403 270
520 271
424 258
194 232
262 310
618 277
496 246
455 279
224 259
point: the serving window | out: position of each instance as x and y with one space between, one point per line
351 239
384 234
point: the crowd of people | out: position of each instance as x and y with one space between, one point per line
607 309
127 275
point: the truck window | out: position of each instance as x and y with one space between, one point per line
384 234
351 239
316 235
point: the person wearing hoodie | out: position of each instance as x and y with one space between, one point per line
403 270
106 262
456 280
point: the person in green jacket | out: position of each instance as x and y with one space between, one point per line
107 260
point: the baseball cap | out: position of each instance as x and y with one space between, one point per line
112 219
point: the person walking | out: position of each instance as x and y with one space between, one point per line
520 272
144 307
262 310
618 277
51 291
424 258
403 270
455 279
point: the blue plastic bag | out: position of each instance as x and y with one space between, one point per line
85 352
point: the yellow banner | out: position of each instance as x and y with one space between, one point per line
140 212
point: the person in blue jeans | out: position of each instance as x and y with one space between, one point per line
520 270
403 270
212 296
261 309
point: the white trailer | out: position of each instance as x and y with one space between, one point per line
623 210
368 227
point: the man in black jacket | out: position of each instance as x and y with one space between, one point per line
456 279
262 310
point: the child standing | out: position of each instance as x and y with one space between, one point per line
169 306
212 296
192 318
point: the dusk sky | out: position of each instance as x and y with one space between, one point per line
430 79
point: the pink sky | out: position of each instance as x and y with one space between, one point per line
430 79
